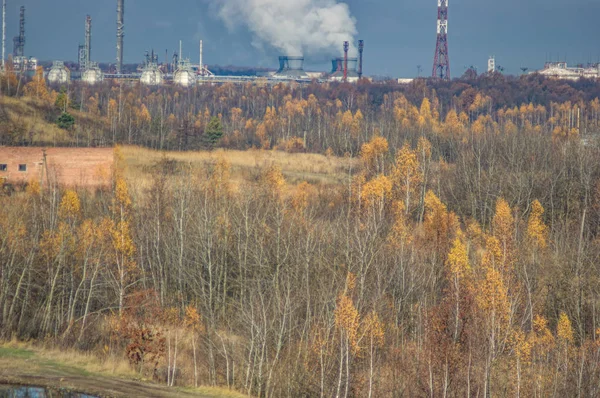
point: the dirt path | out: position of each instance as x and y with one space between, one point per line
27 368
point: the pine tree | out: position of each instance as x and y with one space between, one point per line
213 133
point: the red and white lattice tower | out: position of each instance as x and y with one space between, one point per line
441 62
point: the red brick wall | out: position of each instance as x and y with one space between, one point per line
69 166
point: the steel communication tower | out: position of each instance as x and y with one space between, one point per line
441 62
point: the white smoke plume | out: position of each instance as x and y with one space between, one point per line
295 27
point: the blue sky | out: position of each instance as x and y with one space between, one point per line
399 34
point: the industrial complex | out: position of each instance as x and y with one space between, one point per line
181 71
184 72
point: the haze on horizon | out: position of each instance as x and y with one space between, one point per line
399 35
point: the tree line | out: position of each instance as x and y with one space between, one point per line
314 118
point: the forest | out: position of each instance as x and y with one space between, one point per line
458 256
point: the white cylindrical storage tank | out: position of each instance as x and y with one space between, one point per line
59 74
92 75
151 76
184 77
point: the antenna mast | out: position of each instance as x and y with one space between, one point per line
441 62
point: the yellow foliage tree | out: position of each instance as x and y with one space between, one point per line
537 231
407 175
70 206
375 192
372 154
122 241
492 300
425 117
439 225
274 180
504 229
458 260
564 330
542 346
459 270
400 235
347 321
453 125
37 88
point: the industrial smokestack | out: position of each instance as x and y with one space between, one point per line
19 41
361 48
3 34
120 34
88 41
346 47
201 58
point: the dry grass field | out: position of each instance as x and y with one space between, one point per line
26 364
245 165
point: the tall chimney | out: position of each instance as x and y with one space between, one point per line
201 59
346 47
120 34
19 41
88 41
3 34
361 48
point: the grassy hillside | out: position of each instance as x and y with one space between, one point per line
28 121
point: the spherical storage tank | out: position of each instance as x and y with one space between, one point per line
184 76
92 75
151 75
59 74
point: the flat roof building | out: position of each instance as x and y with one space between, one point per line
66 166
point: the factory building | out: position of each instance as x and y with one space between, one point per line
560 70
24 64
59 74
68 166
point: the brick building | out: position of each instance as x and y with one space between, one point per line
67 166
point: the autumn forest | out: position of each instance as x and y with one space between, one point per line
455 254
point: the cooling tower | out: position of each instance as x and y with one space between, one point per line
291 68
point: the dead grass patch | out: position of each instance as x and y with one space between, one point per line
296 167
